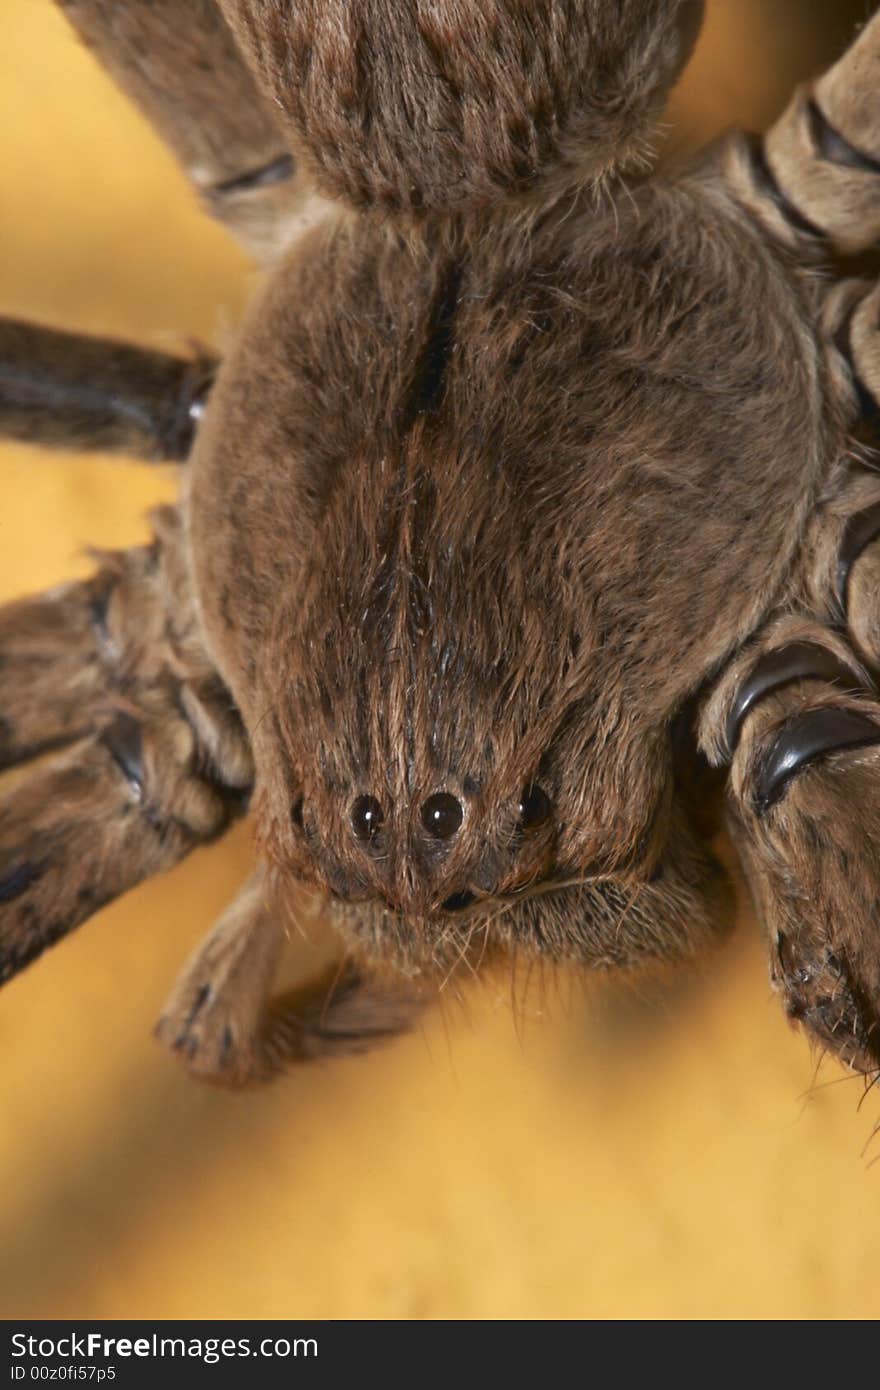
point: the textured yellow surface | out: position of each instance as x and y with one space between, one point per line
601 1155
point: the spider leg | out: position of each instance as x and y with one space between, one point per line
53 684
797 717
857 578
157 761
69 391
178 62
224 1025
850 322
812 182
814 179
70 657
95 822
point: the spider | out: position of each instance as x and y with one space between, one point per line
528 522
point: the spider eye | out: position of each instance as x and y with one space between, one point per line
296 813
442 815
534 808
367 817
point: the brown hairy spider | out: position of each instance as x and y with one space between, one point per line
529 495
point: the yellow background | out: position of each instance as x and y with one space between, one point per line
591 1153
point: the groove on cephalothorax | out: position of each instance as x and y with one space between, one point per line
767 184
430 373
830 145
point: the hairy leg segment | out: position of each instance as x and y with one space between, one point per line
796 717
70 391
178 62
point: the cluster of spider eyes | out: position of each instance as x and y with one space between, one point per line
442 814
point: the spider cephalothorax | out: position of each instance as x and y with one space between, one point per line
523 496
486 529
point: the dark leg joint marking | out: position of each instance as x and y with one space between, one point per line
19 880
831 146
100 591
124 742
798 661
765 182
201 999
804 738
276 171
226 1045
42 933
860 531
6 733
177 432
869 407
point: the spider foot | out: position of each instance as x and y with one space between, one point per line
154 759
213 1017
223 1024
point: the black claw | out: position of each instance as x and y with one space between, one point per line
799 661
804 738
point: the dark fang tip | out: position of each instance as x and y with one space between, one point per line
804 738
